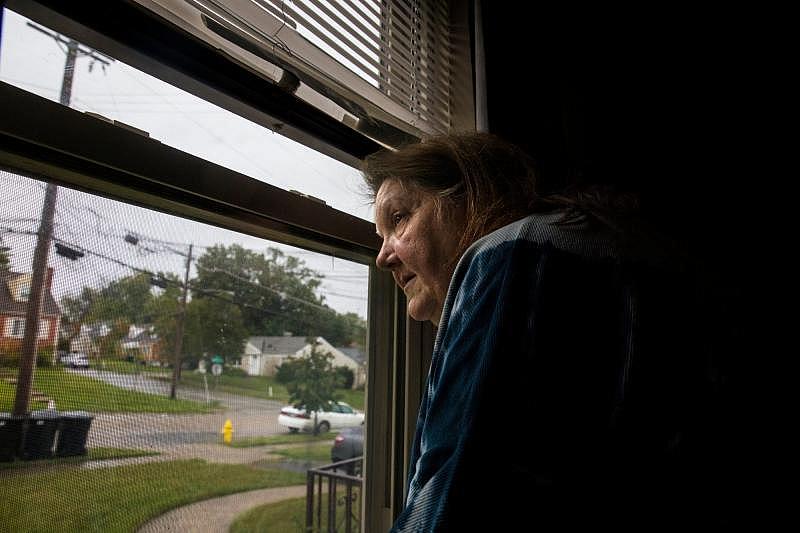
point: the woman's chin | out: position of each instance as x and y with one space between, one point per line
422 311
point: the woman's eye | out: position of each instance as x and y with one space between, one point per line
397 218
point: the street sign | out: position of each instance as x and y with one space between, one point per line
217 359
216 369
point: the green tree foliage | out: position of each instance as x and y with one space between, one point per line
162 312
275 292
119 304
344 377
123 299
74 312
213 326
314 383
109 345
5 262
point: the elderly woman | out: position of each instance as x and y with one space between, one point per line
558 388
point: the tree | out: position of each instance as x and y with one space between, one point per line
275 292
163 310
314 382
124 299
214 326
74 312
119 304
4 260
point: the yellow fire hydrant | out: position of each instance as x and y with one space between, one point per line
227 432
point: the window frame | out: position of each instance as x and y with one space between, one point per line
43 139
13 322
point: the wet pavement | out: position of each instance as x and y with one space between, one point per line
251 417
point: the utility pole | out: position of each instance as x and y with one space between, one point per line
27 363
176 370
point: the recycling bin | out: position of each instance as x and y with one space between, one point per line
11 431
40 435
73 430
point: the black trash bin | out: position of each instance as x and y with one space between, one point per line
73 430
11 431
40 435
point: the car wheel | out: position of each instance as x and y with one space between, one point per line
323 427
293 430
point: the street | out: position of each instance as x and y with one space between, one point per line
178 434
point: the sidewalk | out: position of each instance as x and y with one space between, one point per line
217 514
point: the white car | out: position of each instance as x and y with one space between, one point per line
75 360
337 415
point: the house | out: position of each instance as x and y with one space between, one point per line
15 288
263 355
142 342
360 357
88 339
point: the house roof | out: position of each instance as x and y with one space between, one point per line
141 334
353 353
278 345
8 305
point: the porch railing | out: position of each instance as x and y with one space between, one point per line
333 498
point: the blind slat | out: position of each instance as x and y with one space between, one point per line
398 47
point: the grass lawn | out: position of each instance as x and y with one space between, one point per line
254 386
74 392
287 438
126 367
120 499
258 387
94 454
288 516
312 452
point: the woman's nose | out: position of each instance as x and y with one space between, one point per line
386 257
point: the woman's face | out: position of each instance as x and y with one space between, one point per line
420 246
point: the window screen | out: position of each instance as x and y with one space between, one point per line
172 358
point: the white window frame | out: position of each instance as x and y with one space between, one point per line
15 322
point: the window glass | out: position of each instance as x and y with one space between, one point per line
168 348
34 58
107 446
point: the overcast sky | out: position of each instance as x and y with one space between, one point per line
35 62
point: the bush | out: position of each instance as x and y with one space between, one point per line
287 371
10 350
344 377
235 372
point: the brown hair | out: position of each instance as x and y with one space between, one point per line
492 181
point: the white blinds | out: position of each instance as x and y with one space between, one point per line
399 47
385 62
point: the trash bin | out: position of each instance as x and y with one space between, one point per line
40 435
73 430
11 431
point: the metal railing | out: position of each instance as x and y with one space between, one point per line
333 498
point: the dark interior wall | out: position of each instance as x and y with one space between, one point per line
664 104
632 99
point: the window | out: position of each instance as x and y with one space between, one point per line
385 66
34 58
111 160
152 294
15 327
24 292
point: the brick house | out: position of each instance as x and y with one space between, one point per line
15 288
